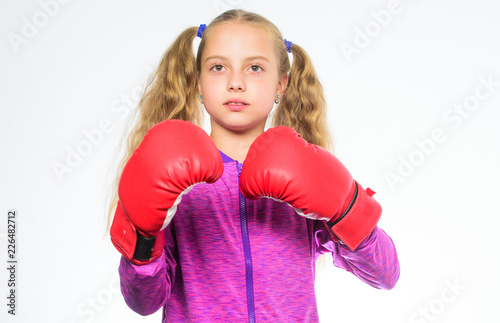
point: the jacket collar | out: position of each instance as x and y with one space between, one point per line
226 158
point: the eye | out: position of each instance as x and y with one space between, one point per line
256 68
217 68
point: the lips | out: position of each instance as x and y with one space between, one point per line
236 104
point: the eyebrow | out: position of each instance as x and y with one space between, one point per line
251 58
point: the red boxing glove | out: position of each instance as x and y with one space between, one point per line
173 156
283 166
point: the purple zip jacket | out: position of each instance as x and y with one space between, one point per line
230 259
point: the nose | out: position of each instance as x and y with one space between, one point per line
236 82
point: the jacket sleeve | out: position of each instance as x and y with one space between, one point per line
374 261
146 288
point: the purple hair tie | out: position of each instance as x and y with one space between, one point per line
201 29
288 45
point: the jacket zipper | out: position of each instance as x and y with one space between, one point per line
247 253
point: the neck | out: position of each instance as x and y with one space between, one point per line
234 144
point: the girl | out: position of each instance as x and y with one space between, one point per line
215 251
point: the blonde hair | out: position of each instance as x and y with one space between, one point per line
172 91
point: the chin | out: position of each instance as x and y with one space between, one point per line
240 124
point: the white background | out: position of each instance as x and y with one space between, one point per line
65 70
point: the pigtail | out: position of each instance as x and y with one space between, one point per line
171 93
172 90
303 106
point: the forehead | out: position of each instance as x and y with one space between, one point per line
234 39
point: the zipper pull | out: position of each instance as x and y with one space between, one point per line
240 166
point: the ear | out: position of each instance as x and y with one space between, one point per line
199 84
282 83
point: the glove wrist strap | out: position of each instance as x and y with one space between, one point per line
143 247
359 219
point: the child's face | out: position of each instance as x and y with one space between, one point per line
239 65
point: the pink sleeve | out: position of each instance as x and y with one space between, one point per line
374 261
147 288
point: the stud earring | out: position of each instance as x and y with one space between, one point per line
201 99
277 101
